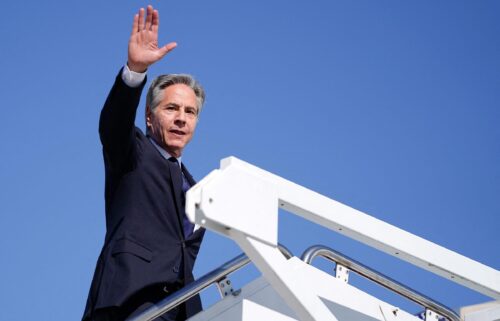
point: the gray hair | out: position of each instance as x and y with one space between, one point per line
155 92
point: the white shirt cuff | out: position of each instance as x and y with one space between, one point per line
132 78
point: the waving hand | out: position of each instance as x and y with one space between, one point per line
143 49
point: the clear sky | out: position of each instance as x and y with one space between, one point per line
391 107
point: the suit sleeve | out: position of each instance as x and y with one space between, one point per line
116 123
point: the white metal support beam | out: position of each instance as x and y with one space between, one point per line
243 198
291 286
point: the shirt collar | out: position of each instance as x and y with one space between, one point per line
163 152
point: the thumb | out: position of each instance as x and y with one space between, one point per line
167 48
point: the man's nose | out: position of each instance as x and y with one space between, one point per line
181 116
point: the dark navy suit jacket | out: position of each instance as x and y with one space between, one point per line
144 247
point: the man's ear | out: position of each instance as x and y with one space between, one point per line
149 115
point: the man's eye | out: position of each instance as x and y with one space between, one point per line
170 108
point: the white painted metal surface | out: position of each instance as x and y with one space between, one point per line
489 311
259 301
246 199
342 273
241 202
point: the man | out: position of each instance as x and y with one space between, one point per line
150 246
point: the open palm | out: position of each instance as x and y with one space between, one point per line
143 48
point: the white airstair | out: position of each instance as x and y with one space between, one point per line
241 202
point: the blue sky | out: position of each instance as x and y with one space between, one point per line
391 107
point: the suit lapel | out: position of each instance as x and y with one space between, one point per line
188 176
175 174
192 182
176 184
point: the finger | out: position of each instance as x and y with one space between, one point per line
167 48
135 24
156 21
149 18
141 19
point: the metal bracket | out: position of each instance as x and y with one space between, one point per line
433 316
225 288
342 273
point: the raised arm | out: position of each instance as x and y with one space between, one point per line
116 124
143 50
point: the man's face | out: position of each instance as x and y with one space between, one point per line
173 121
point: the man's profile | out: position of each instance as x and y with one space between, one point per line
150 247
